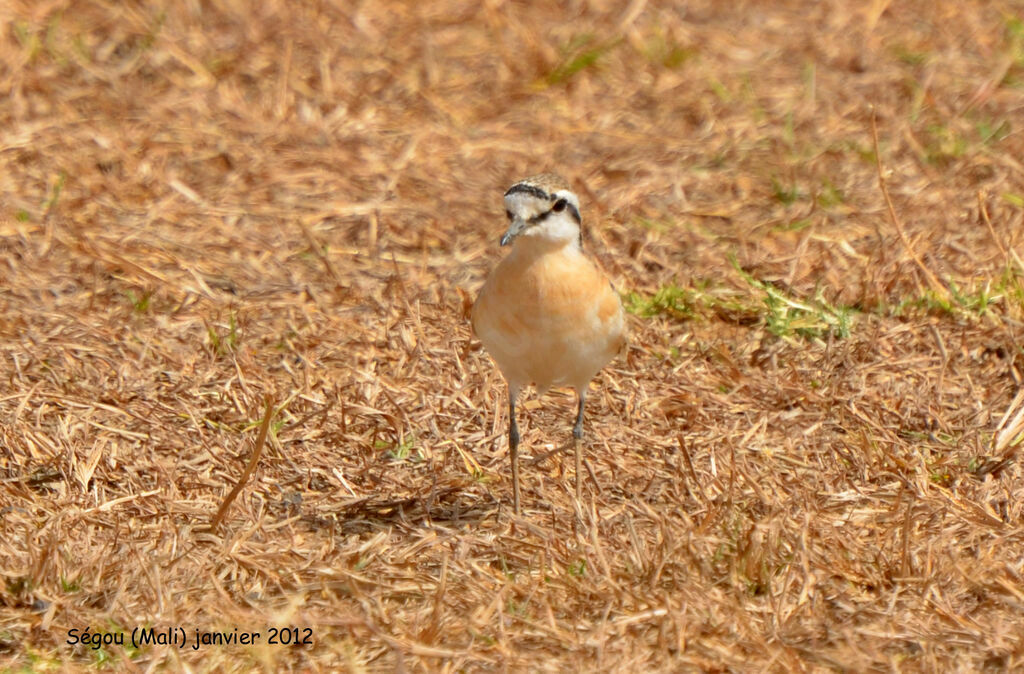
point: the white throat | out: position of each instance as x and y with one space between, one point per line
557 228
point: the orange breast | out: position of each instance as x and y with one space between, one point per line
548 317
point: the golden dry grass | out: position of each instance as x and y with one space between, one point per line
806 461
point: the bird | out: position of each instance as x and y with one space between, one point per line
547 315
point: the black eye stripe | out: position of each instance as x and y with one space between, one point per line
573 211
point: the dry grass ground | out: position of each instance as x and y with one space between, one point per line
805 462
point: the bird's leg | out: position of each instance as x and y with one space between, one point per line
577 435
513 446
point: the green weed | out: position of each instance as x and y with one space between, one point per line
1013 199
666 52
580 53
975 299
787 195
793 226
785 316
223 345
55 191
401 451
909 56
944 145
140 303
829 196
782 315
27 38
1014 36
990 132
720 90
671 300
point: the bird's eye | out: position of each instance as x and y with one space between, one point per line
559 206
509 214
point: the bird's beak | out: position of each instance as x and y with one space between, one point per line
517 226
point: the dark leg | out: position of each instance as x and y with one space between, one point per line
513 447
577 435
577 430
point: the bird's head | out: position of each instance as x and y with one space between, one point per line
544 207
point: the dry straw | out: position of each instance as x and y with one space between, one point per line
806 462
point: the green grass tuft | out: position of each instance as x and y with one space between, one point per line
55 192
140 303
784 194
579 54
780 314
787 317
667 52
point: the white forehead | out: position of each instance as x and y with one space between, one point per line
526 205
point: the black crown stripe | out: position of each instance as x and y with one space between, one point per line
529 189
